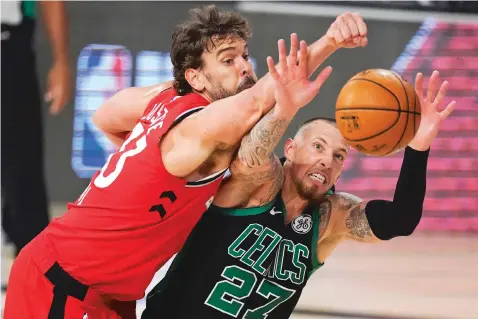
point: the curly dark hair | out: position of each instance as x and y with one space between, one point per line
201 33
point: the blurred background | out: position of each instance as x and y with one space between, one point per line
432 274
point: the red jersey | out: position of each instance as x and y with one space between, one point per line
134 215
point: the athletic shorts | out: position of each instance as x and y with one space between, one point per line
51 293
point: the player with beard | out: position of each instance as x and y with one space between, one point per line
99 257
273 224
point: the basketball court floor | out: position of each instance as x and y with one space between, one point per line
425 276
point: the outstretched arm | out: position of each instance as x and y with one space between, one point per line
381 219
222 124
347 31
256 165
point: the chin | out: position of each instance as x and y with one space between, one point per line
311 193
319 192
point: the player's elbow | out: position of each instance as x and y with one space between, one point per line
119 113
98 118
405 226
409 227
408 217
103 119
388 220
103 114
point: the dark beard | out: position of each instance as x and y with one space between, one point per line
218 92
306 193
248 82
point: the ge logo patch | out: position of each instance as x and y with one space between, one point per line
302 224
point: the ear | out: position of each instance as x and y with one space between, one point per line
289 149
194 79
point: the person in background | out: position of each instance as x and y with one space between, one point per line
24 196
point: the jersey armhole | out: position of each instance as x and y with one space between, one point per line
249 211
315 238
175 122
184 115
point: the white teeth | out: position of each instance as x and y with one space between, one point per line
318 177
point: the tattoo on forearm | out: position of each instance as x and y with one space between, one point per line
257 147
271 179
357 223
253 177
325 210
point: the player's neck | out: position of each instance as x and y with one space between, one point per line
204 95
294 204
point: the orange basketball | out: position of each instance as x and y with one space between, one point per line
378 112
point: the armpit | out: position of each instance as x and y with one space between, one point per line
246 186
261 175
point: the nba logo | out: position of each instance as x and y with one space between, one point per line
103 70
85 316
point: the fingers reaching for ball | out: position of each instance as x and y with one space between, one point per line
435 95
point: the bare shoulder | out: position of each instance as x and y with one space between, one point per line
349 218
345 201
334 209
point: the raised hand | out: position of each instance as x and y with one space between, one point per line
348 31
292 87
433 114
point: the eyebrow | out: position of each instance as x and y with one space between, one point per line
230 48
340 149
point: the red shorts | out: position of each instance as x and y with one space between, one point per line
50 293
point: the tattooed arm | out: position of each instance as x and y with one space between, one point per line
256 173
351 221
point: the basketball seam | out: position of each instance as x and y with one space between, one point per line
398 110
383 87
406 121
375 109
370 137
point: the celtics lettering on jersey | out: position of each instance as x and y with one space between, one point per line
276 281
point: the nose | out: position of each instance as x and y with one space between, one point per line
245 67
326 162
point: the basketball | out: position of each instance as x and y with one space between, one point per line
377 112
